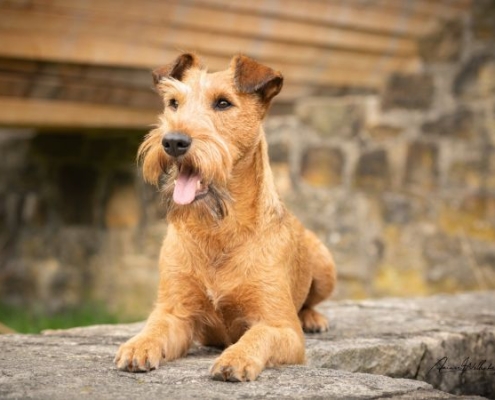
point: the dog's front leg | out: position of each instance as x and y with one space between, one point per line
268 342
164 336
168 332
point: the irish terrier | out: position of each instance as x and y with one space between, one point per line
237 270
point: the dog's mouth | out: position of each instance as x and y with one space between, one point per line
189 186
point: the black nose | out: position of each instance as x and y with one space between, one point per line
176 144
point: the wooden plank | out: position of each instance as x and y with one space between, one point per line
101 50
22 112
51 88
101 75
225 21
203 42
45 113
346 14
441 9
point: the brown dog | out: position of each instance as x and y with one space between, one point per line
237 270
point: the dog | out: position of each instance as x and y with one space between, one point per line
237 270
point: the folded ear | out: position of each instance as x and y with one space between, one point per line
176 69
252 77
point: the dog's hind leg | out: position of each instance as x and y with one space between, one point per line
322 268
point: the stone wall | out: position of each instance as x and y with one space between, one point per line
399 184
78 223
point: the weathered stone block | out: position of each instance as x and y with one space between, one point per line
332 117
282 176
124 273
422 165
460 124
123 209
466 174
397 209
444 44
490 178
51 271
278 152
372 172
390 281
483 15
352 288
412 92
480 205
381 133
322 167
477 78
277 127
448 269
486 77
473 217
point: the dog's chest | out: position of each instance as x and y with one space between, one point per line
226 281
213 296
230 313
220 294
224 296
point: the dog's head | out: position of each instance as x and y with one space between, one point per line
210 122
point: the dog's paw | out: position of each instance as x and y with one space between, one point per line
142 353
233 367
312 321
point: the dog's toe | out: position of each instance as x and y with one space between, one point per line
312 321
139 354
234 368
226 374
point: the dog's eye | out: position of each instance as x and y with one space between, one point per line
222 104
173 104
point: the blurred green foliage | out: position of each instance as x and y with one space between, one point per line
28 321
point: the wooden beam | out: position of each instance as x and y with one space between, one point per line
157 46
86 89
45 113
344 14
101 50
441 9
102 14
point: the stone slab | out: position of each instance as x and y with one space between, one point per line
371 347
407 337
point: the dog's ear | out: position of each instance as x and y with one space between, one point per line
175 69
252 77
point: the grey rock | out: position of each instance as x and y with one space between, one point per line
460 124
332 117
407 337
369 350
408 91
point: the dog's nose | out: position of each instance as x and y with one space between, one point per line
176 144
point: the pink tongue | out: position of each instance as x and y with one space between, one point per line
185 187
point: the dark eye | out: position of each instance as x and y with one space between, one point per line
173 104
222 104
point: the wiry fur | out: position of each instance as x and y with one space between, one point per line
237 270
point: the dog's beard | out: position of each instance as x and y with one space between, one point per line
212 205
194 185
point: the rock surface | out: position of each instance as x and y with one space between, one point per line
369 350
